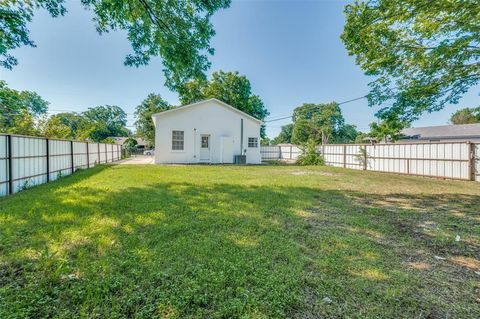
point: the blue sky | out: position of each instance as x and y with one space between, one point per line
290 51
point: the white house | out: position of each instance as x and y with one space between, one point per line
209 131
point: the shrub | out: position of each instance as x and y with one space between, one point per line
310 155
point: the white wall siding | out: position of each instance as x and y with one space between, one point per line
211 118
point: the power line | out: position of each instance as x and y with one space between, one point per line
344 102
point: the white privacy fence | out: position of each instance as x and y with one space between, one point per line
26 161
455 160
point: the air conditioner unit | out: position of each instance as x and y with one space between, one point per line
240 159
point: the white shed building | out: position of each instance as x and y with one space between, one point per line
209 131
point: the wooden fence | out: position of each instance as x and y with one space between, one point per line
453 160
26 161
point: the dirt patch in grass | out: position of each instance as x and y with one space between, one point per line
299 172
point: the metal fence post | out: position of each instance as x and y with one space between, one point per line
344 156
48 158
10 166
365 160
71 156
471 161
88 156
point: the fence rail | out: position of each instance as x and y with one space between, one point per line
27 160
453 160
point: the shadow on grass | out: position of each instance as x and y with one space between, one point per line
185 249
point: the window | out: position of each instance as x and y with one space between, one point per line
252 142
204 141
177 140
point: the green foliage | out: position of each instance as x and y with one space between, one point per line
177 31
108 140
322 123
468 115
14 17
130 145
388 130
229 87
285 135
96 124
265 141
68 126
310 155
143 114
106 121
20 111
424 54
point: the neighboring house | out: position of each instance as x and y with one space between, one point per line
209 131
141 143
443 133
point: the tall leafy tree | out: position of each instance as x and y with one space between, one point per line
322 123
468 115
285 135
143 114
20 110
68 126
229 87
388 130
424 54
177 31
106 121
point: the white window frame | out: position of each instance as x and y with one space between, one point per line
177 140
254 142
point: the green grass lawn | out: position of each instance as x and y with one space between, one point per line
240 242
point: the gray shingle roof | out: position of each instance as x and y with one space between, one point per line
464 131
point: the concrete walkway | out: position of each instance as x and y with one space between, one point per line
137 160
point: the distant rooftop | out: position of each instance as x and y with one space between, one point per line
463 131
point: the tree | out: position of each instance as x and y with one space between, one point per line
388 130
285 135
310 154
229 87
69 125
130 145
14 16
424 54
322 123
466 115
20 110
347 134
105 121
54 128
143 114
177 31
265 141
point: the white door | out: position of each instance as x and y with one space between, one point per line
204 147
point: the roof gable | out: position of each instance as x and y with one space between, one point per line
217 101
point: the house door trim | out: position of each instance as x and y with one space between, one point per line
205 148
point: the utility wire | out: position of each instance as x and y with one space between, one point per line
344 102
